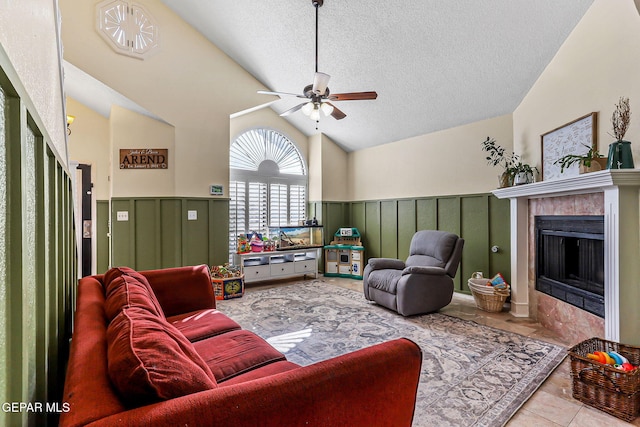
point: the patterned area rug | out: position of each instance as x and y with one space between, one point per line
472 375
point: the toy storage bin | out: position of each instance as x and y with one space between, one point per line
487 298
603 386
228 287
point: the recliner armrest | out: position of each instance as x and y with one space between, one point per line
386 263
432 271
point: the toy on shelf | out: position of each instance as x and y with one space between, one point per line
243 244
256 243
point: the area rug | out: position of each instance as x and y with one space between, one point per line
472 375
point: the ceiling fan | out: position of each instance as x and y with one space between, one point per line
318 94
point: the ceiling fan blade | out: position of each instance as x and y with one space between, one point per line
353 96
293 109
336 113
320 83
267 92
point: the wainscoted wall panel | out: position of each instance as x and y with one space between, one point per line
159 234
407 226
38 266
387 227
389 233
102 236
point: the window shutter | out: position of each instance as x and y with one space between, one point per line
257 210
278 204
297 204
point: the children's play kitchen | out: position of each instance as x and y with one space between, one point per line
344 257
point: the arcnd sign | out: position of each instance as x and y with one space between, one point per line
144 158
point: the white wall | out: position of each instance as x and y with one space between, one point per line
131 130
27 32
189 83
89 143
441 163
598 63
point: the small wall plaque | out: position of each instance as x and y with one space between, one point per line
216 190
144 158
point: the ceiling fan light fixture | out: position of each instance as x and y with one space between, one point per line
320 83
315 115
326 108
307 108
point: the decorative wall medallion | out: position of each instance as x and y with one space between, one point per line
127 27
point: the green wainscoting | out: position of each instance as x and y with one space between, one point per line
158 233
38 265
387 227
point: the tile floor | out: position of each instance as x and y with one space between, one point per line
552 404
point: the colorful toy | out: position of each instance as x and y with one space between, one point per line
498 282
612 358
243 244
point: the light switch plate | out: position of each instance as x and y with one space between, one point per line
122 215
192 215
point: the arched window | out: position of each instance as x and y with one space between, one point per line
267 185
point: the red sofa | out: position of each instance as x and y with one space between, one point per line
149 348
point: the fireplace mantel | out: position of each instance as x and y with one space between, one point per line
586 183
621 190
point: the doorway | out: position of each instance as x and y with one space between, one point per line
86 187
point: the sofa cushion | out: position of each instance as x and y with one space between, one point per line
262 372
125 287
235 353
201 324
149 360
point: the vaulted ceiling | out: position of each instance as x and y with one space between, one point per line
435 64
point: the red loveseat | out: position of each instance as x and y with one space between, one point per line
149 348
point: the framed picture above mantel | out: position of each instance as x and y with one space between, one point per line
572 138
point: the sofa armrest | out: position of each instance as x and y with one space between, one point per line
182 289
373 386
386 263
432 271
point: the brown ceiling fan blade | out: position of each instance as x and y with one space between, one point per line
337 113
353 96
267 92
293 109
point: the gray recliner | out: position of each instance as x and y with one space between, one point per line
421 284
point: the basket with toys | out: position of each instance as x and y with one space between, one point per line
605 375
489 294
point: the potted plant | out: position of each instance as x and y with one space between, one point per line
499 156
522 173
591 161
620 156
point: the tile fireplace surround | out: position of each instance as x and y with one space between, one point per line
612 193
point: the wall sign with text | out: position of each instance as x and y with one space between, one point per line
144 158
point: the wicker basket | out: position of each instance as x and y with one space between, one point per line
487 298
603 386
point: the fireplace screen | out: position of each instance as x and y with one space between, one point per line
570 260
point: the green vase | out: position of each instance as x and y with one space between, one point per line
620 156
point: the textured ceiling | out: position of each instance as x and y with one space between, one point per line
435 64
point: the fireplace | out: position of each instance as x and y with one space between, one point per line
570 259
613 193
